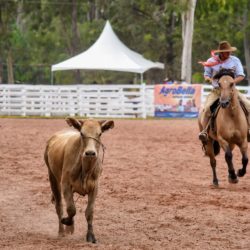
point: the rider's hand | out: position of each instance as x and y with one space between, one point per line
208 79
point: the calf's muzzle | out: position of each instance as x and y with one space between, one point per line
90 153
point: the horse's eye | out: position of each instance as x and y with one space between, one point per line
231 84
218 84
100 134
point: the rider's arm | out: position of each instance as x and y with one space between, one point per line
239 72
208 79
208 74
238 79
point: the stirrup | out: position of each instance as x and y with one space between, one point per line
203 137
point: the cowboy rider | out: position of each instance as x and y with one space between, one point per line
224 59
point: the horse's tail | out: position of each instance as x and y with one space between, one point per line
216 147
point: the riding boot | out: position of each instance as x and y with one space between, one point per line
203 135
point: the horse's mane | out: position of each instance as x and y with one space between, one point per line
224 72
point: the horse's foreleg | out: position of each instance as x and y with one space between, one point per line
232 177
213 165
242 171
210 153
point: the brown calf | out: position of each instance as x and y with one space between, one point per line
74 165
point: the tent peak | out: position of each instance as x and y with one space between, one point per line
108 53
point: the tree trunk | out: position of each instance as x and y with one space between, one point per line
19 18
1 71
75 42
10 68
92 13
170 71
187 37
247 45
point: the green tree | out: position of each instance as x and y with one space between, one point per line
8 12
217 20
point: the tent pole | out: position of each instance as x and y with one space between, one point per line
141 78
51 78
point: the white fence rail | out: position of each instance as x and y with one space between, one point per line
82 100
77 100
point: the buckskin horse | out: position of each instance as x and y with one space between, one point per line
228 128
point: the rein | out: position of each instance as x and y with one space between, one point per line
98 141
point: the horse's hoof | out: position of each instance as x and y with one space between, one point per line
67 221
91 237
241 173
215 183
233 181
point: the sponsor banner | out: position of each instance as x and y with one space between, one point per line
177 100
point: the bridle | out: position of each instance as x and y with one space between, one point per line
229 99
98 141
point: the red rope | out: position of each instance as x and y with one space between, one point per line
211 64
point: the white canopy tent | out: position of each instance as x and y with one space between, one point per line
108 53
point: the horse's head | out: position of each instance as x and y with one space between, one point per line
226 84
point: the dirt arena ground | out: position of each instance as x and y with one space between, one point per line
155 191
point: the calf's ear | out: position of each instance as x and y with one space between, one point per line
72 122
106 125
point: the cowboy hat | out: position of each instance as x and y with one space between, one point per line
225 46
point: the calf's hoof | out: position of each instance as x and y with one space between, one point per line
91 237
69 229
67 221
61 232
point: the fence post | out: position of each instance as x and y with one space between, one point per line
23 91
47 100
71 101
143 93
79 101
121 95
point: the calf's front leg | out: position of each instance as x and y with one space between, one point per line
70 205
89 216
